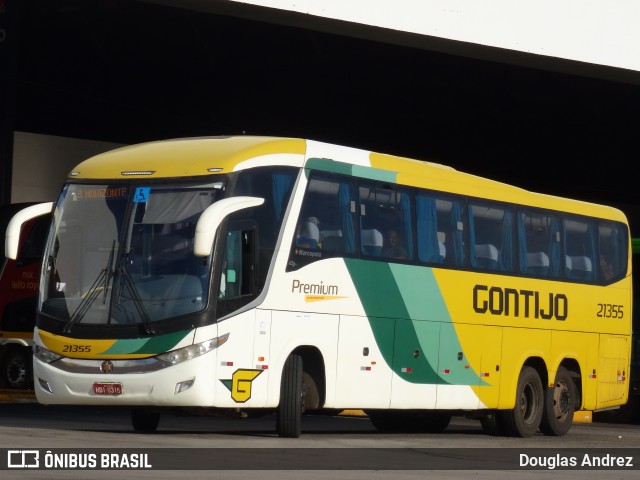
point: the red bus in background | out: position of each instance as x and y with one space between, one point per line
18 295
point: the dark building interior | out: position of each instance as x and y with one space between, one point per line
130 71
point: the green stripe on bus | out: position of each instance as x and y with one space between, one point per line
375 174
153 345
379 286
351 170
329 166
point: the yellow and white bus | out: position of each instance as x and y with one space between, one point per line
260 274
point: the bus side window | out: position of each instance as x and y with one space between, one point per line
452 223
613 248
539 244
386 221
579 244
431 240
237 277
237 270
333 197
491 237
440 230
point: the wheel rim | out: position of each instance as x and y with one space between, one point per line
528 403
561 401
16 372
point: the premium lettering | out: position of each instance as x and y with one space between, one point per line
313 288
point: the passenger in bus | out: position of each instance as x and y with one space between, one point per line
392 245
308 233
606 269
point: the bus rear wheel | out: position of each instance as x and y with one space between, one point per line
492 424
525 417
559 405
289 416
144 421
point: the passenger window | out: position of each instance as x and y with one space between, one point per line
440 230
613 245
579 242
386 221
539 241
326 227
491 237
237 272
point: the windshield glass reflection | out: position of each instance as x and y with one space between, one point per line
124 255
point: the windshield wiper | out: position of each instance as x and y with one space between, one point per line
137 301
102 280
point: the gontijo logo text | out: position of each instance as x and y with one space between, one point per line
520 303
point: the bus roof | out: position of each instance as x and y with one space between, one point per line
192 157
186 157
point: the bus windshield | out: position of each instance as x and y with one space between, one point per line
123 254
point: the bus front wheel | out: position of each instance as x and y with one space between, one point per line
289 416
144 421
525 417
559 405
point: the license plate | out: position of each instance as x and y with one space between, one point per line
107 388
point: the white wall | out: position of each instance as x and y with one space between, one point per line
41 163
602 32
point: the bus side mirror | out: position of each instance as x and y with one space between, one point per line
12 238
212 217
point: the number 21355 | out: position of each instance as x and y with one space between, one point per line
607 310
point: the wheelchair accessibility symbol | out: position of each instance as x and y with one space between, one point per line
141 195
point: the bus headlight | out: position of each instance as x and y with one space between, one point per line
192 351
44 355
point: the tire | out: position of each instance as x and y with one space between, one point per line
409 421
144 421
289 417
17 369
559 405
492 424
383 420
525 417
434 421
392 421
